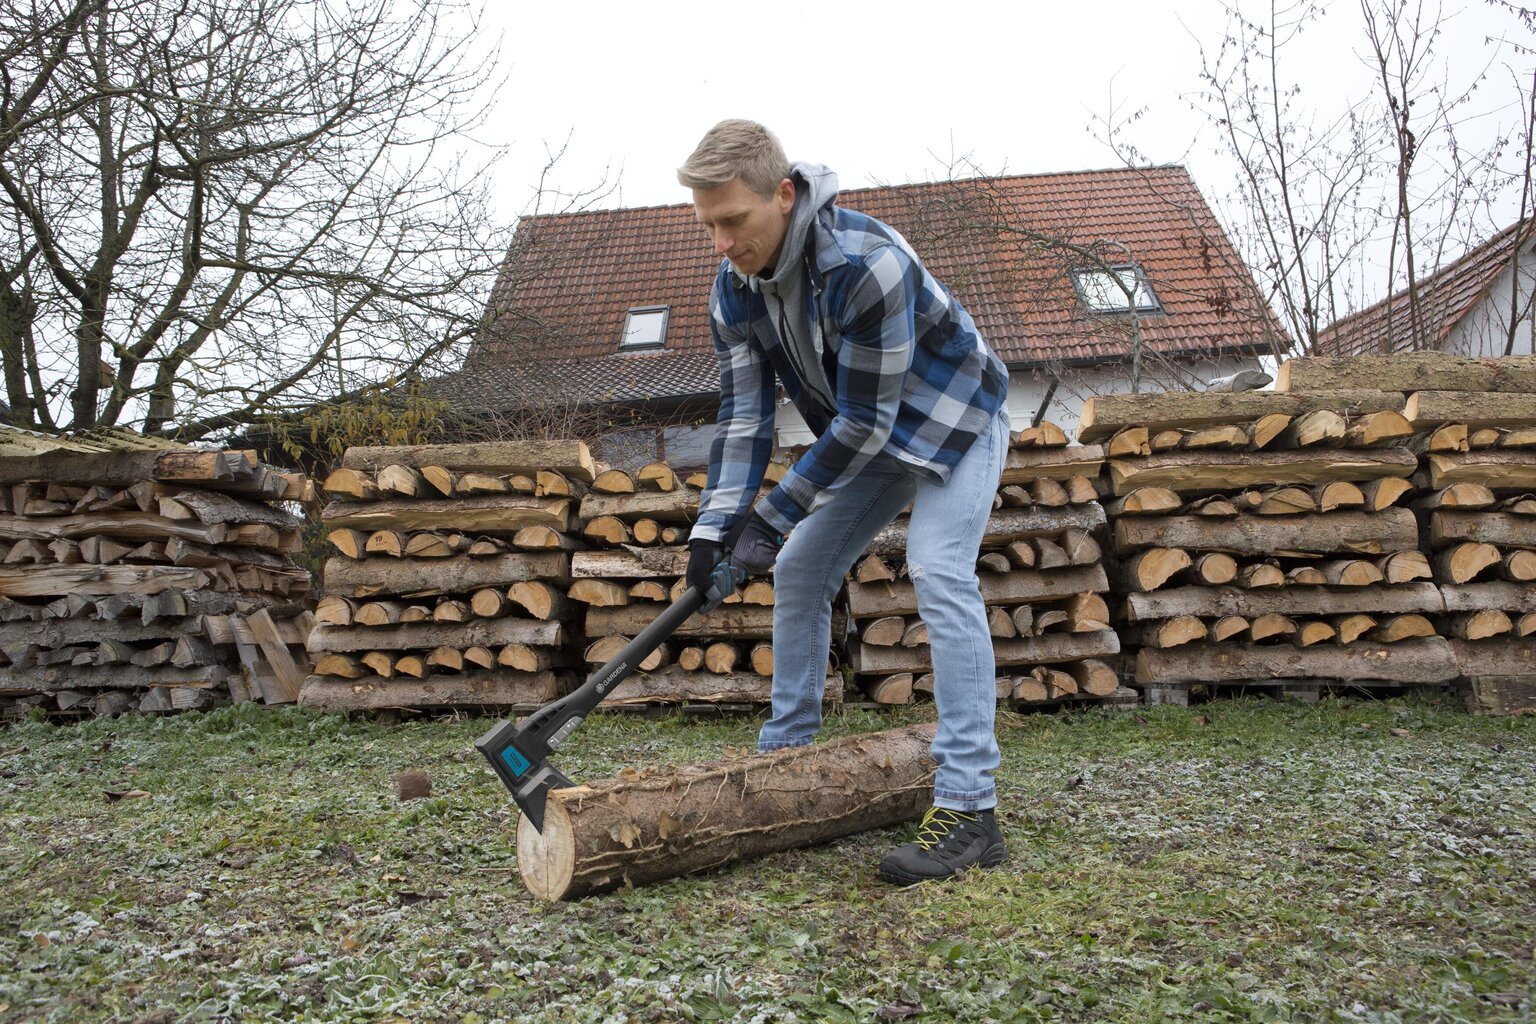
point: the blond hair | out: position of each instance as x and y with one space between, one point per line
736 149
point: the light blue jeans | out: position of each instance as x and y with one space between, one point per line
948 521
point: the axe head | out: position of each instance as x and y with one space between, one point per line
519 755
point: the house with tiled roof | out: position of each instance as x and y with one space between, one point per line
1080 281
1477 305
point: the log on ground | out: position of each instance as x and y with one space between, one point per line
663 824
1495 657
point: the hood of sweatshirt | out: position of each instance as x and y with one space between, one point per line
784 290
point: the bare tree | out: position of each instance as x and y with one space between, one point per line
220 209
1336 211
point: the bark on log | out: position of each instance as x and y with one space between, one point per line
1003 526
425 635
1049 648
1415 661
653 825
742 622
1511 597
630 563
1210 601
1500 469
1407 371
499 689
571 458
503 514
436 576
1222 471
868 600
1502 528
1474 409
679 506
1025 465
1103 415
1495 657
1346 532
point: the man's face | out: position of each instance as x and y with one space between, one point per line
747 229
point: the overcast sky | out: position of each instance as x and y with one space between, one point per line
894 92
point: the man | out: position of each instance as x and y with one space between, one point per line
907 402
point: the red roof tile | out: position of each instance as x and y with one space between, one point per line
1444 298
570 279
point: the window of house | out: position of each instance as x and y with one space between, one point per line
645 327
1104 291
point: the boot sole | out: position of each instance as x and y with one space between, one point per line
992 858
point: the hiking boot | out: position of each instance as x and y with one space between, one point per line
948 843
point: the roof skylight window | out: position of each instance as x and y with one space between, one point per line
1105 290
644 328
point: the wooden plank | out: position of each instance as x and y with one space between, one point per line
426 576
1391 529
496 514
1026 464
1408 371
571 458
1427 660
870 600
1213 602
287 671
418 636
1103 415
498 688
1189 472
1474 409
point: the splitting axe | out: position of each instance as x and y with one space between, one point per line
519 752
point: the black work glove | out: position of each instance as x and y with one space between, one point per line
753 544
703 556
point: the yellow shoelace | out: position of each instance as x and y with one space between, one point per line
936 825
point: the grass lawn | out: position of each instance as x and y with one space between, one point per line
1248 860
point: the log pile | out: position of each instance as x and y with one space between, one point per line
1477 473
1041 574
1264 537
448 586
137 574
636 529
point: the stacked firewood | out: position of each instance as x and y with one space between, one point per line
1263 537
636 526
138 574
449 582
1476 439
1041 574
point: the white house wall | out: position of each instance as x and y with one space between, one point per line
1485 330
1028 388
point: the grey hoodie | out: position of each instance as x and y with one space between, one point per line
784 293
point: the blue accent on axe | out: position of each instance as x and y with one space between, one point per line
515 760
